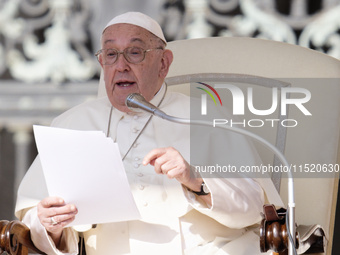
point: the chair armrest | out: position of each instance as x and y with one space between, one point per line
273 234
15 238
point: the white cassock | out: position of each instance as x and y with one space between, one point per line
174 221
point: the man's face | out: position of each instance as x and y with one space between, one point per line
123 78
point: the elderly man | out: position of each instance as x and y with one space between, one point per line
180 213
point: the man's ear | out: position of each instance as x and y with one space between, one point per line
100 60
165 63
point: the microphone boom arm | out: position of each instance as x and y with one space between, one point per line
136 101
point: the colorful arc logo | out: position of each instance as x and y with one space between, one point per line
204 97
209 93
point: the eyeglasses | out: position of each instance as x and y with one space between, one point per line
133 55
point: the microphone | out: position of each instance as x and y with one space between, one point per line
136 101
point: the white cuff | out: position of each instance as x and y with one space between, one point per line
43 241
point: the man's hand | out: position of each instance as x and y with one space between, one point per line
54 214
170 162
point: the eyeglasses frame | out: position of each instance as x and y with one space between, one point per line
123 53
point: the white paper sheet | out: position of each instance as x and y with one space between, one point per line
85 169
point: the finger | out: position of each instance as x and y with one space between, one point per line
172 172
153 155
179 173
66 209
177 168
67 221
164 165
59 214
54 228
46 207
56 223
52 201
161 165
61 219
53 206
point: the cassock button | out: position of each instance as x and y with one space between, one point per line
141 187
135 165
135 117
135 130
136 158
140 174
145 203
135 145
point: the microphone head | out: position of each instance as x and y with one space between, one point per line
131 100
137 103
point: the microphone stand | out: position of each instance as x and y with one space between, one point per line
141 103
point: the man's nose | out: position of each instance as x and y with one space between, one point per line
121 63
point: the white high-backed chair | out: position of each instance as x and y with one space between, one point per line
315 140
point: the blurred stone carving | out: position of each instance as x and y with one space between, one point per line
54 40
10 28
323 33
312 24
60 53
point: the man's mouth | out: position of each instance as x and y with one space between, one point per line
124 84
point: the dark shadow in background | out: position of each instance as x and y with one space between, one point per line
7 172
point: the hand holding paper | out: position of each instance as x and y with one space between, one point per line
85 169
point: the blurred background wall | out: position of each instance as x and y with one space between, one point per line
47 62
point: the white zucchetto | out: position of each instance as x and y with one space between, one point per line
138 19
